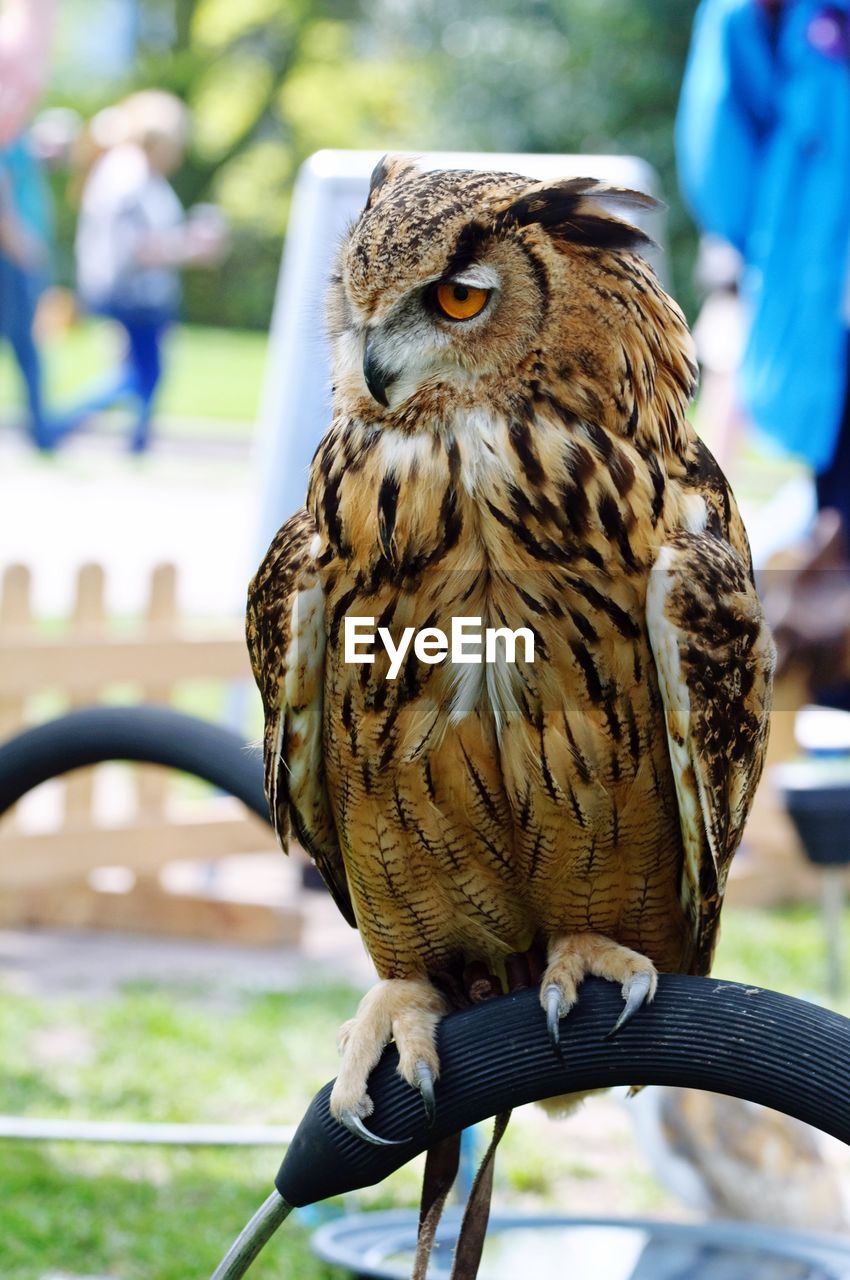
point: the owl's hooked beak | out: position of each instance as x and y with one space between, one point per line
377 376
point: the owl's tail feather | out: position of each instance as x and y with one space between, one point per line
441 1167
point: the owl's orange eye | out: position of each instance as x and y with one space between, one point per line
460 301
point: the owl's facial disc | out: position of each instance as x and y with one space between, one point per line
416 340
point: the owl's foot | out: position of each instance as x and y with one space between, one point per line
407 1011
573 956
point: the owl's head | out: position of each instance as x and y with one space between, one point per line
448 277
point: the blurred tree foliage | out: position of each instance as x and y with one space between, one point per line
591 76
270 81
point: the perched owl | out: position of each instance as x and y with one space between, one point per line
509 448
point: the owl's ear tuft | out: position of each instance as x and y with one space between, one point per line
388 170
583 211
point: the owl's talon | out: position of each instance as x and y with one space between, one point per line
552 997
355 1125
424 1079
637 990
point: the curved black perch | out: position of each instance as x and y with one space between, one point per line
145 734
705 1034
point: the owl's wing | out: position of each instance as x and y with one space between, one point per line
714 656
286 640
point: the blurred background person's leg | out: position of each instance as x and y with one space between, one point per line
18 301
25 223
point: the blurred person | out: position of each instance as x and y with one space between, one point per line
25 235
133 238
763 149
25 214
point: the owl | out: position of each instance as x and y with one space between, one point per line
509 462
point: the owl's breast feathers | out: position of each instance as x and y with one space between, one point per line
469 809
466 810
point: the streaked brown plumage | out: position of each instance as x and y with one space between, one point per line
533 467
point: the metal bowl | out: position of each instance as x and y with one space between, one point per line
380 1246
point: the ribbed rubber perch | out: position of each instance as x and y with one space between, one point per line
146 734
700 1033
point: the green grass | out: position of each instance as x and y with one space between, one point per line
783 949
151 1054
136 1217
192 1054
213 376
169 1055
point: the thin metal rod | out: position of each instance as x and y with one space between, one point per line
253 1238
832 910
35 1129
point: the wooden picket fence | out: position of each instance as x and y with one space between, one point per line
49 875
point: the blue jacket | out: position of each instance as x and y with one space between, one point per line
30 194
763 149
